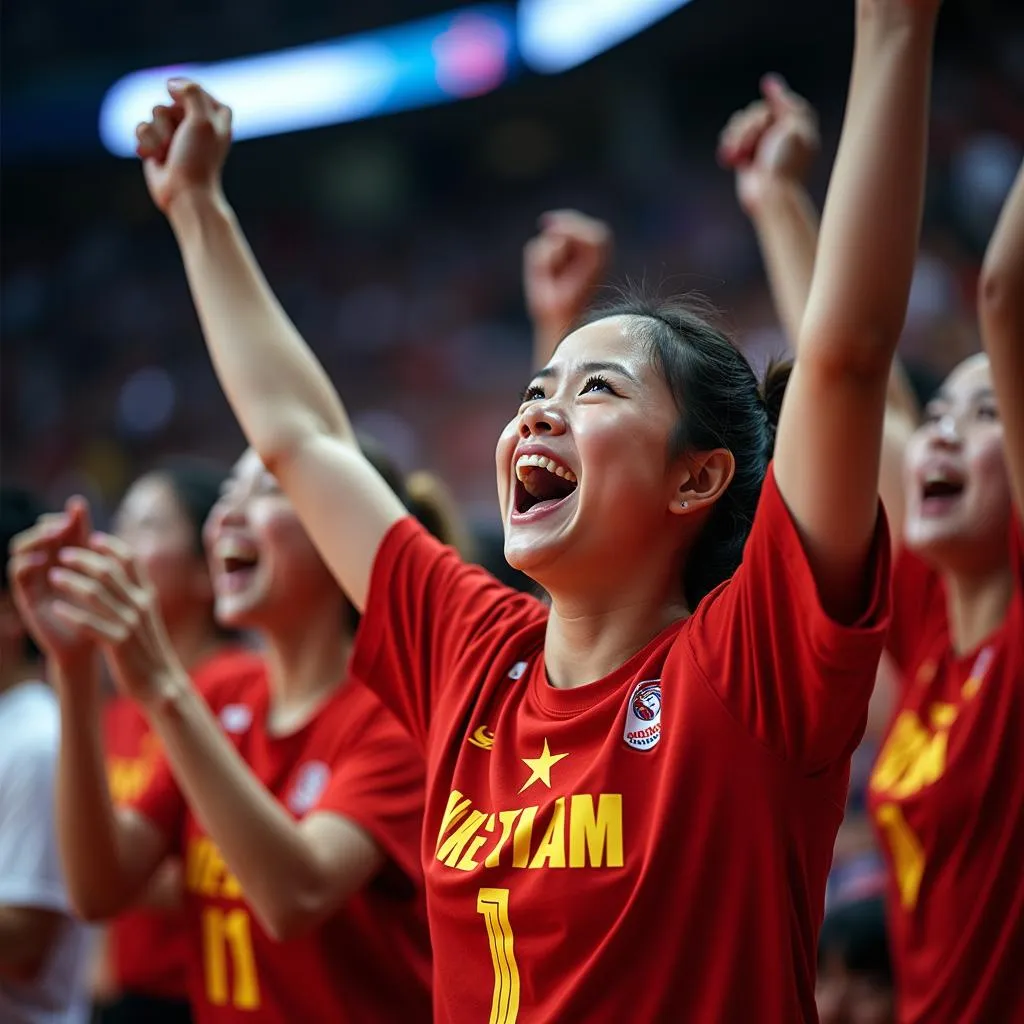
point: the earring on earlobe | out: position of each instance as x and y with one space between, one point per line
684 504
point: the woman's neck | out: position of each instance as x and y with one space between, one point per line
306 661
590 636
976 605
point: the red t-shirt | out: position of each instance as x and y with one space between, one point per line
653 846
149 948
947 801
370 961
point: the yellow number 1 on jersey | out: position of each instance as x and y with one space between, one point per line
493 904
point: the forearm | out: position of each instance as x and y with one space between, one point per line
869 232
85 818
279 391
786 223
1001 309
258 839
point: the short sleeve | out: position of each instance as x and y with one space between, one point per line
425 608
161 802
799 681
30 874
379 784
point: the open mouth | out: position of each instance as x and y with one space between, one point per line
541 483
238 562
941 488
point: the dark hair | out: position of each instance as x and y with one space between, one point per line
19 511
856 931
197 486
721 405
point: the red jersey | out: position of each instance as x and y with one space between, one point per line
653 846
370 961
947 801
149 948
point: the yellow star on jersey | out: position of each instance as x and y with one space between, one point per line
540 767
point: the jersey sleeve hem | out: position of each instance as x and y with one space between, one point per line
28 893
833 641
373 626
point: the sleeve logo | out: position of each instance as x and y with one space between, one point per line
643 716
235 718
310 783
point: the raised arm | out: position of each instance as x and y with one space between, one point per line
294 874
771 144
108 855
563 266
830 433
283 399
1001 310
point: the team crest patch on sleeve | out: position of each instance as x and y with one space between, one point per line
310 783
643 716
235 718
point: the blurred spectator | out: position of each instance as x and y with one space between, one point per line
43 949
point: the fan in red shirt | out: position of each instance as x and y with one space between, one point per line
691 763
293 797
631 796
161 516
947 791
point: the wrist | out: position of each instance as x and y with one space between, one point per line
193 207
776 193
76 677
167 695
887 16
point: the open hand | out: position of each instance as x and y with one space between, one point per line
105 596
34 555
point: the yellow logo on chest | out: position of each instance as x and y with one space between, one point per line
914 755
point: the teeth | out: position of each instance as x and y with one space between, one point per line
527 462
232 547
938 477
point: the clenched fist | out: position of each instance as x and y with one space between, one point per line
562 267
184 145
773 139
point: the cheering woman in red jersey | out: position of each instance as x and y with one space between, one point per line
947 791
946 795
295 798
664 750
161 517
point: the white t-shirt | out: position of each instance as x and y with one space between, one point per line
30 873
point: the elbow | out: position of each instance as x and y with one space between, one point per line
95 905
293 918
290 914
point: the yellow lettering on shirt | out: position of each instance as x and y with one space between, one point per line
206 872
914 756
575 831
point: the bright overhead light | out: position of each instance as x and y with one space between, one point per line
436 60
556 35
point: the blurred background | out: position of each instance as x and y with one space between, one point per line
394 238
